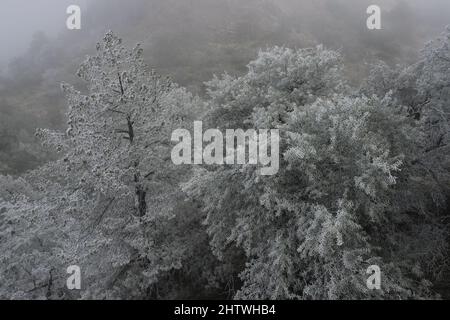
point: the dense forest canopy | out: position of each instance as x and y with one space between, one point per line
364 172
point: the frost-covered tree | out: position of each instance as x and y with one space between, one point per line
115 179
277 81
362 181
117 151
36 237
350 192
424 89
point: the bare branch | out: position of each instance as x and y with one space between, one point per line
122 91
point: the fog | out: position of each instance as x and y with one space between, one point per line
408 21
20 19
190 40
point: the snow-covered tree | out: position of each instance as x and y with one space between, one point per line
115 179
363 180
424 89
36 237
277 81
350 192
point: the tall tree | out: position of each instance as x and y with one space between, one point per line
115 176
346 195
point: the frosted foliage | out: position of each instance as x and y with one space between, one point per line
363 180
277 81
114 180
350 179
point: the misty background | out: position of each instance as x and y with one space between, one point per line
189 40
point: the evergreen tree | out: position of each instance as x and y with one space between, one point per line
350 192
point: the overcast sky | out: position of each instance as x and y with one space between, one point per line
20 19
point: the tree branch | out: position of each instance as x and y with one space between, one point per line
122 91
